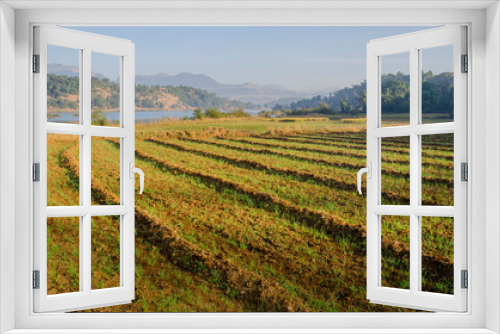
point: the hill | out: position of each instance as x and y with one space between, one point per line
246 92
62 91
437 96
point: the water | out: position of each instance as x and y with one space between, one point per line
140 116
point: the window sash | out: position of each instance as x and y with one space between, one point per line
86 297
414 297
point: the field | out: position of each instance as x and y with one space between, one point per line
250 215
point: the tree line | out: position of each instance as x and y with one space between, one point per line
106 95
437 97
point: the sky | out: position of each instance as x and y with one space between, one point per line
299 58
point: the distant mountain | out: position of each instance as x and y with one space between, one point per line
182 79
246 92
69 70
284 101
63 96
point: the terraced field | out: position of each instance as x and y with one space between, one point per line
250 221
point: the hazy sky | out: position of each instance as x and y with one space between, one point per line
303 58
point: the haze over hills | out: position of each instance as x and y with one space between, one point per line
69 70
246 92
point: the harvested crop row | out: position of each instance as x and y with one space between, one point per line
443 145
310 265
332 155
153 270
251 287
339 179
200 214
319 220
299 146
312 277
391 145
333 181
346 204
387 170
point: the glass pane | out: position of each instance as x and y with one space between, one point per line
395 168
63 259
63 170
105 252
437 254
395 91
395 232
105 155
437 84
437 169
105 90
63 84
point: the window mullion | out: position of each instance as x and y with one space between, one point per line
415 186
85 174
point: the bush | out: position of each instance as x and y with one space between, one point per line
99 118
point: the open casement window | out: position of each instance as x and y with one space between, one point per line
416 231
84 240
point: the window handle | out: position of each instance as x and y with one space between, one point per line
368 171
134 170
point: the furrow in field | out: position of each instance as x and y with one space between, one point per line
183 253
340 178
319 220
315 219
362 140
326 180
278 153
305 147
333 163
155 273
303 261
351 151
430 149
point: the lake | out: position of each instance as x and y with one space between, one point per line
140 116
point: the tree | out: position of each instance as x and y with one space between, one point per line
345 107
362 101
197 113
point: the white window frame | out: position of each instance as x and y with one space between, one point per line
484 49
85 44
412 44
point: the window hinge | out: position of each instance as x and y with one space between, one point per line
464 171
465 279
36 279
36 63
36 172
465 63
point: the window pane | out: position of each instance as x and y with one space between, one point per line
395 168
105 252
395 232
437 254
63 84
395 90
437 169
105 154
437 84
63 170
105 90
63 259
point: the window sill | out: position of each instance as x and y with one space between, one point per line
251 331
